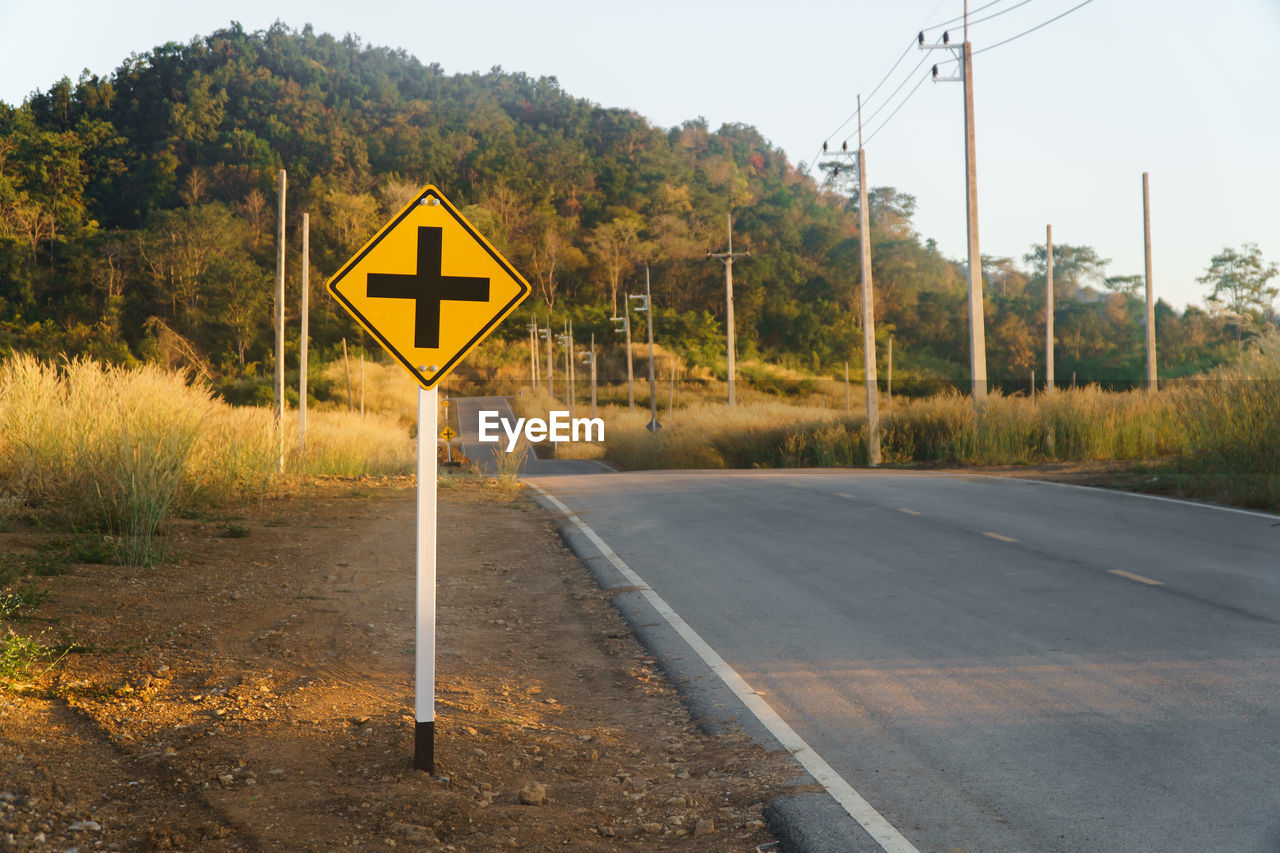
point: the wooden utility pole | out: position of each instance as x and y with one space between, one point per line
1151 302
278 407
305 308
868 306
731 348
1048 310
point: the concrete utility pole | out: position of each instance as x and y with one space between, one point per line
1048 310
727 258
1151 302
305 308
551 368
888 380
279 319
626 331
848 403
653 425
591 360
977 333
868 306
573 374
533 355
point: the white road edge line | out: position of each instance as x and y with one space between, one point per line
1139 578
1201 504
883 832
908 511
1001 537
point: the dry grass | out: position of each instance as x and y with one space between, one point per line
125 449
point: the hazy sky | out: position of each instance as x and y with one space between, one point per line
1068 117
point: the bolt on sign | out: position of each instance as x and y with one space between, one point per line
428 287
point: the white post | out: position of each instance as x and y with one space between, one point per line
279 322
304 307
425 665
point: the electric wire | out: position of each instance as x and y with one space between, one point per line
887 100
883 79
1033 29
961 18
895 110
1001 12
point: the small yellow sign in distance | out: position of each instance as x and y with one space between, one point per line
428 287
448 434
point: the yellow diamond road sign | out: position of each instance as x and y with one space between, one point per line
448 434
428 287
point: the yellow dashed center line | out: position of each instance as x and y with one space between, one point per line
998 536
1139 578
843 495
907 511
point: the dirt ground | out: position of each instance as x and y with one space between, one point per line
255 693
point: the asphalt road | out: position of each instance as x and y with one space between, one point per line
993 664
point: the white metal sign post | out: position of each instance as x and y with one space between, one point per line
429 288
424 703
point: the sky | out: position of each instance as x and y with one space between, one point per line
1067 118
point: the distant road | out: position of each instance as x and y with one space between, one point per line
468 409
993 664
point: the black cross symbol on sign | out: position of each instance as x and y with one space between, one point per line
428 288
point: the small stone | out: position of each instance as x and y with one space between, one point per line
704 827
418 835
652 828
636 783
170 752
39 838
682 773
533 794
358 721
606 831
226 780
754 825
85 826
676 802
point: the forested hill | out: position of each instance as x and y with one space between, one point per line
143 204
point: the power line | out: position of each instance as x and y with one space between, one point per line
854 114
1001 12
1033 29
961 18
883 79
904 82
895 110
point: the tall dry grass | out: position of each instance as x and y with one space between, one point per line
1231 422
125 449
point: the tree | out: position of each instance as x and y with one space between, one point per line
616 245
1074 267
1239 282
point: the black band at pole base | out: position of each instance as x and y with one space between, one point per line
424 746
